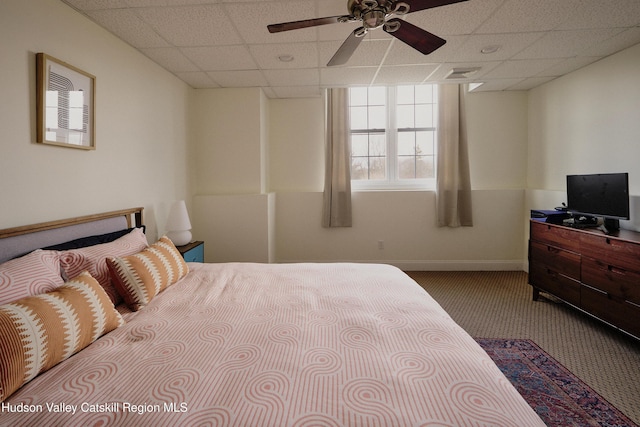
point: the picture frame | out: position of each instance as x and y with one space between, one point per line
65 102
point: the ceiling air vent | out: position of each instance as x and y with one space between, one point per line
462 73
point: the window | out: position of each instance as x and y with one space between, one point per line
393 136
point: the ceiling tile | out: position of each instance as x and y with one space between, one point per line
402 54
501 84
509 45
303 77
530 83
156 3
128 26
338 31
564 44
339 76
467 17
305 55
170 58
269 92
521 68
603 14
252 19
197 79
86 5
199 25
245 78
398 74
567 65
228 39
529 15
297 92
368 53
218 58
616 43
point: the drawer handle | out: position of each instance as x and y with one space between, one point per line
617 270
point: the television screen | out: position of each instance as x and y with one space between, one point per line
603 195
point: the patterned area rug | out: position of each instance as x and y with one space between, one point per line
559 397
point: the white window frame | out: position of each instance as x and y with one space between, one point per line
392 182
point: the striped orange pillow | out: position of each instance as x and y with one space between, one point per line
38 332
140 277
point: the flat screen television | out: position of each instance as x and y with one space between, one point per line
603 195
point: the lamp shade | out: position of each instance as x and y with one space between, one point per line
178 224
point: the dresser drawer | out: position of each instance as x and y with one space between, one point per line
611 250
553 282
618 282
555 235
622 314
556 259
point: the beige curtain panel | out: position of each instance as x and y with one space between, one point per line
337 183
453 188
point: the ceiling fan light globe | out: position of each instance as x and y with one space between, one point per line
373 19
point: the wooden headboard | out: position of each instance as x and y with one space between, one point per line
17 241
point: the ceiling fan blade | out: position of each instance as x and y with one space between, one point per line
416 5
346 50
419 39
287 26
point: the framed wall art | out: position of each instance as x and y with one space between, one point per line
66 98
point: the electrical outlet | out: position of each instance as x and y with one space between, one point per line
380 244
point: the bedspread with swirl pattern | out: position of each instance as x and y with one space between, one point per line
241 344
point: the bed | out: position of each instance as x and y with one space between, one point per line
229 344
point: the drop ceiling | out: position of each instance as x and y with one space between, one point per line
225 43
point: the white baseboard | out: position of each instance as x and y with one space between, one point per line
493 265
458 265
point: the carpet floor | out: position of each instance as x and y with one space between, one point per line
560 398
499 305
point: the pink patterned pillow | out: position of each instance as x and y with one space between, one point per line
93 259
35 273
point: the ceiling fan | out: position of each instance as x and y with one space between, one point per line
375 14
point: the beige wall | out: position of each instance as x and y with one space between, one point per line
158 140
141 123
586 122
229 140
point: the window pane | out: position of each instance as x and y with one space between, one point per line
378 95
424 94
359 144
359 168
406 167
358 96
378 168
425 142
406 143
424 167
377 118
414 151
377 144
405 117
405 95
424 116
358 118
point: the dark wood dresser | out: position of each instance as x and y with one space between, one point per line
592 271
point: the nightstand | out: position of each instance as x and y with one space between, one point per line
192 252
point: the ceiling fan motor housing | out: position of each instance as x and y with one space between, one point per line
358 8
373 13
